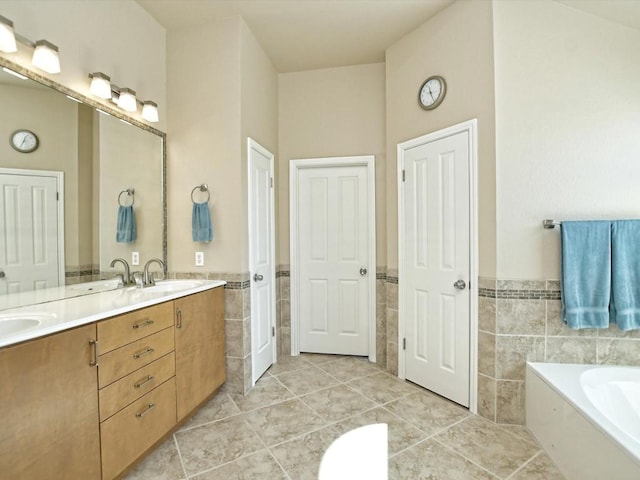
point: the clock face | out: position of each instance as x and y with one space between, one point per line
432 92
24 141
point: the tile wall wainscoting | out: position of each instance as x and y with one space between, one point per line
520 321
237 325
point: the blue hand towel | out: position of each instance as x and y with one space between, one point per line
625 283
126 228
202 229
586 274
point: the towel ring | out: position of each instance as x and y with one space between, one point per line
130 193
203 188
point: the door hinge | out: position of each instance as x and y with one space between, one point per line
403 175
273 331
271 182
404 343
57 196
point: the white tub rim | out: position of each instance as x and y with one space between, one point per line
564 379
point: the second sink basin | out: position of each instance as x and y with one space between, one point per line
169 286
175 285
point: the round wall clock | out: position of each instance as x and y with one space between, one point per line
24 141
432 92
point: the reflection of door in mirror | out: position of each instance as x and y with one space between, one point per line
99 157
31 256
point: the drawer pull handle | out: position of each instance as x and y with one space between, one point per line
145 410
143 324
143 381
142 353
179 318
94 361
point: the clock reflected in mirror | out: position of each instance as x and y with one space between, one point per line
24 141
432 92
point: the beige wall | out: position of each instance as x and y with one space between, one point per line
457 44
118 38
567 127
259 113
203 142
332 112
222 89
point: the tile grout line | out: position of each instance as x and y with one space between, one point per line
468 459
182 464
521 467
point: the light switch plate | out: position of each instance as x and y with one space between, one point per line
135 258
199 259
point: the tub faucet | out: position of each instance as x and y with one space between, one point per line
147 278
126 277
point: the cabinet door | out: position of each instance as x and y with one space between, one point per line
199 348
49 408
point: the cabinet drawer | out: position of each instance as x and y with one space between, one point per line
127 328
130 432
124 360
128 389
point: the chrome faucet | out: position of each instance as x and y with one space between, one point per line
147 278
126 277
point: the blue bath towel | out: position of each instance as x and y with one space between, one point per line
586 274
126 228
202 229
625 282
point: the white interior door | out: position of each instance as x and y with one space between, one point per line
261 258
334 268
30 250
435 270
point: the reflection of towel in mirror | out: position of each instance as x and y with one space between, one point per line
126 229
202 229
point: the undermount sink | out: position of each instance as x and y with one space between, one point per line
10 326
170 286
175 285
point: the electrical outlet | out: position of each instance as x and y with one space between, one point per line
199 259
135 258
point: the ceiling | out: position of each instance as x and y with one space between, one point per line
311 34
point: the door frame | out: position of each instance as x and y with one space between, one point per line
59 176
252 144
471 127
328 162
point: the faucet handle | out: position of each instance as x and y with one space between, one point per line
137 278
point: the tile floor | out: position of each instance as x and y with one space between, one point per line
282 428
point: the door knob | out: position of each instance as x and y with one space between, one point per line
2 274
257 278
363 271
460 284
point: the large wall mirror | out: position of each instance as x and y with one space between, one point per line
59 203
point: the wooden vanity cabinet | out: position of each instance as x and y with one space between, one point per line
63 418
49 408
136 380
199 336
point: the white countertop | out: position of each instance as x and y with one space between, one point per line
56 316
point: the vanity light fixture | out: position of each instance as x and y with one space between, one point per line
45 54
123 97
100 85
150 111
127 100
7 36
45 57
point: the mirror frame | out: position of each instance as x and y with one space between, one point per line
113 111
